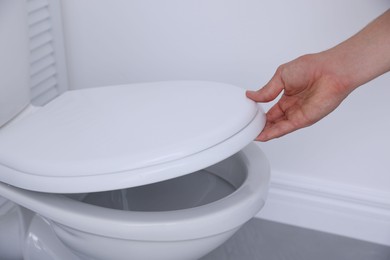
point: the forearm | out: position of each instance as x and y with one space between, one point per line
362 57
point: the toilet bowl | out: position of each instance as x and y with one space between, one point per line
183 218
162 170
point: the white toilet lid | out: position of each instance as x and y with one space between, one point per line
129 135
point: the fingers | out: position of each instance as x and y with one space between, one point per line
275 130
278 124
270 91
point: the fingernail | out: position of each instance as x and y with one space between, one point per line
250 92
261 137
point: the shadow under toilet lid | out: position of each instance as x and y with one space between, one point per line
127 135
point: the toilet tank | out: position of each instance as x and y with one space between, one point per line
14 59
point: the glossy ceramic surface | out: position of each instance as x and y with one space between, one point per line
103 226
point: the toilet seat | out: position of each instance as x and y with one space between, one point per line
105 138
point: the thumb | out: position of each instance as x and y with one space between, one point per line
269 92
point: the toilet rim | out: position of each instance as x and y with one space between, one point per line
214 218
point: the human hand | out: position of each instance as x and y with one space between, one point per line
314 85
310 92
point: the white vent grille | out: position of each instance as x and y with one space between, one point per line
47 56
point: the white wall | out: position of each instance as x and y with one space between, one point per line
241 42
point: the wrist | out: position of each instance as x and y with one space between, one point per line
340 65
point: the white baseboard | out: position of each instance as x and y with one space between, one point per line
330 207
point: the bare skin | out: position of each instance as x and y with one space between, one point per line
314 85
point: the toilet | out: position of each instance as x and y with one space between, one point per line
143 171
